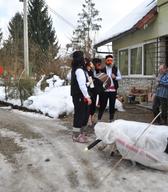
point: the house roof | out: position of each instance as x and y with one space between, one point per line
136 19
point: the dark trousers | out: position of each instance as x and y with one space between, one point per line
92 107
163 103
103 98
81 112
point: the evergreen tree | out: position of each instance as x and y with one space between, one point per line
16 27
87 26
13 47
42 37
41 31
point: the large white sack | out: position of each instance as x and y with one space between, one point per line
137 141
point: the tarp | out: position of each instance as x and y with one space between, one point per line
139 142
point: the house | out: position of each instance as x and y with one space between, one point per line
140 43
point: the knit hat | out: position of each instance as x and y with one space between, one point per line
77 54
96 60
109 56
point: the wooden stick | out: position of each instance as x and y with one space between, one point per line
93 144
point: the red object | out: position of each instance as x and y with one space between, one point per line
1 70
85 100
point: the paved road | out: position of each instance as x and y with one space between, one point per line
37 154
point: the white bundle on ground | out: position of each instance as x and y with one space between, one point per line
137 141
119 105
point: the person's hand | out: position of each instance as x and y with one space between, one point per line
92 66
88 100
113 76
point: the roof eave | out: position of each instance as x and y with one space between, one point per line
147 19
114 38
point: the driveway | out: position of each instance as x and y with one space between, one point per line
37 154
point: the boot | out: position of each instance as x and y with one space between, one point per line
111 117
81 138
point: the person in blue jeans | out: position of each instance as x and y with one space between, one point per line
161 96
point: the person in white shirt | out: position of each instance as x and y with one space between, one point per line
80 96
111 92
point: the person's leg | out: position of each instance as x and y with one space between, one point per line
77 118
80 109
155 109
103 98
91 111
112 98
164 107
93 108
85 114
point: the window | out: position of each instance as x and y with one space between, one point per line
149 58
123 61
136 61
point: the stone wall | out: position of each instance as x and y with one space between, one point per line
127 82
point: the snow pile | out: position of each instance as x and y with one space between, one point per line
12 101
55 81
140 142
37 88
54 100
129 21
2 93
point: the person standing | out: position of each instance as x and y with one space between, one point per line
80 97
97 66
111 92
97 63
161 96
95 87
91 89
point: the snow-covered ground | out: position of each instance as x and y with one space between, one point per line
50 162
54 100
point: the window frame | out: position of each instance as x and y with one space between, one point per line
129 59
119 59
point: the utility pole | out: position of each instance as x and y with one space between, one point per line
26 46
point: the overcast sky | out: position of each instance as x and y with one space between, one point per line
111 11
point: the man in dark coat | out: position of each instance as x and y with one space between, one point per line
110 93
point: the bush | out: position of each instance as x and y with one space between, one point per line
25 88
19 89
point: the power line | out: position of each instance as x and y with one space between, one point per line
62 18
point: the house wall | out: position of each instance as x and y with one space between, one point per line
160 2
162 19
157 28
135 38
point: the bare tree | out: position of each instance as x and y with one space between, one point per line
88 24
